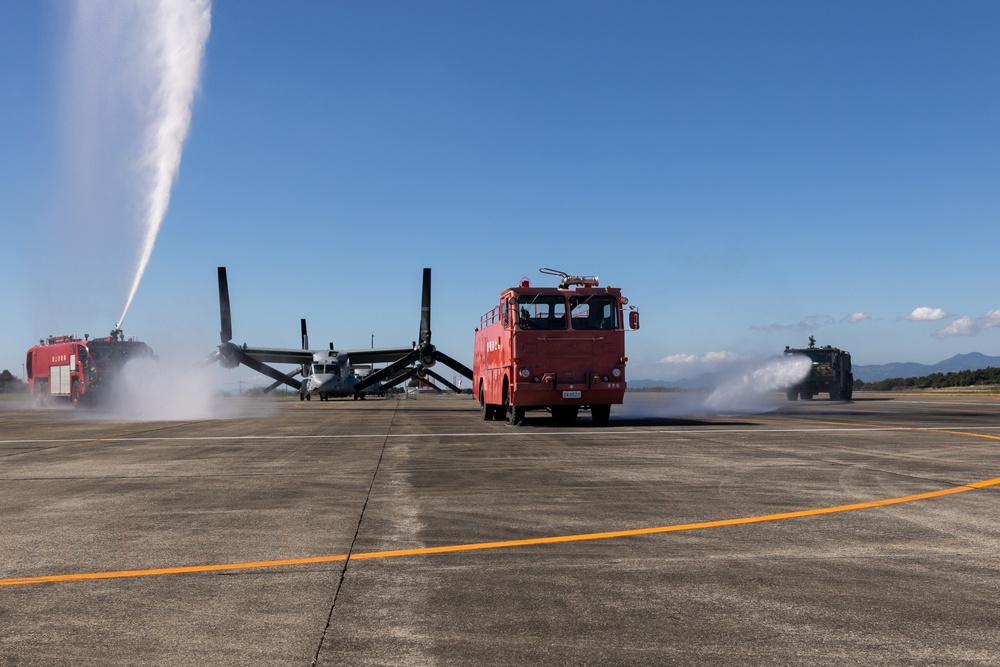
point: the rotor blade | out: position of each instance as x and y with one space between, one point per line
392 382
274 385
305 335
454 365
425 309
224 311
442 381
391 369
263 368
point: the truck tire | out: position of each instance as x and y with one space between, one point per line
515 415
488 411
600 414
564 414
792 395
74 393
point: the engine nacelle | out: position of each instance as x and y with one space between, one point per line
226 359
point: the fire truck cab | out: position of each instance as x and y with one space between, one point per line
560 349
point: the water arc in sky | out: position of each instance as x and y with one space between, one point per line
176 43
151 54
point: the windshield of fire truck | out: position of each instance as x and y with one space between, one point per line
596 311
108 355
817 356
541 311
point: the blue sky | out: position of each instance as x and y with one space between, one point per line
749 173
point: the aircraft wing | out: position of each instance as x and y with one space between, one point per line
273 355
380 355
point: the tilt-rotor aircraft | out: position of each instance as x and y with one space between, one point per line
329 372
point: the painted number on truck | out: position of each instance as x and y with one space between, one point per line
571 394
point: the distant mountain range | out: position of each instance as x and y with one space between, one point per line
960 362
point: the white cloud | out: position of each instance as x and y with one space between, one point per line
990 320
723 356
925 314
856 317
963 326
966 326
710 357
679 359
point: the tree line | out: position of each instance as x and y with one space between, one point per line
10 384
981 377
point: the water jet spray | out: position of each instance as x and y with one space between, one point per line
170 37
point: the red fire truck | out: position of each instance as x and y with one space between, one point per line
69 368
553 348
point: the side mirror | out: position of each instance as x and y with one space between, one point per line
633 319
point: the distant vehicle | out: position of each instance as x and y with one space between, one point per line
68 368
830 372
560 349
330 373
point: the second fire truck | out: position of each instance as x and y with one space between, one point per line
560 349
66 367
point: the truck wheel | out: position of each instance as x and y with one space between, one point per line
792 395
834 394
600 414
515 415
565 414
74 393
485 409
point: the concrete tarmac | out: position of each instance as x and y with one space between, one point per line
411 532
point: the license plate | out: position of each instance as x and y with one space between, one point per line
571 394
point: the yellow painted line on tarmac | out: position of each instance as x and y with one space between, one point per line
480 546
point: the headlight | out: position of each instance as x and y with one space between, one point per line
525 373
617 372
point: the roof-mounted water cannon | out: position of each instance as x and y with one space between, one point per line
567 280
